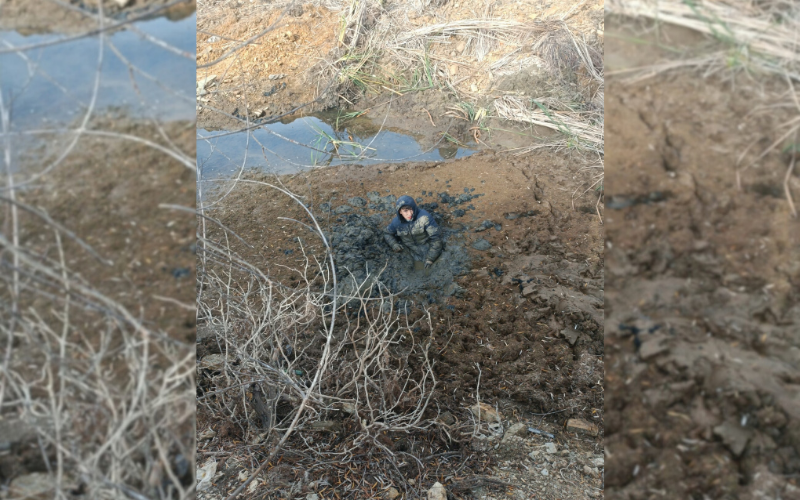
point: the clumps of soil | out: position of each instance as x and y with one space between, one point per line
522 326
703 289
356 236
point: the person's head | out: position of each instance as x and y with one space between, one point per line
406 208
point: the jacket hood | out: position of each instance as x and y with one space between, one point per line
406 201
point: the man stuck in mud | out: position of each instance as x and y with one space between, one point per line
414 230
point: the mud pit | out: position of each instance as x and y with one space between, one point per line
702 339
526 312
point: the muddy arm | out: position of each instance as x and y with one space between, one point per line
390 238
435 249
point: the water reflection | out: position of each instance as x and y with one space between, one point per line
314 141
55 83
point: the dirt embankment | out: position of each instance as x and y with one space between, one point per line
34 17
703 286
405 67
522 314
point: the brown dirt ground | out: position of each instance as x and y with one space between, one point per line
116 211
114 208
305 41
529 368
708 406
560 248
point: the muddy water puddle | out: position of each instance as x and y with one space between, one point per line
313 141
144 73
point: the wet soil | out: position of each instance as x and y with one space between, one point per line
518 293
703 284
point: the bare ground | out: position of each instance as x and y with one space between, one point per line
703 400
530 320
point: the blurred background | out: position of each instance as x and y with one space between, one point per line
703 250
97 249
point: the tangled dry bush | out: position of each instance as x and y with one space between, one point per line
313 366
95 398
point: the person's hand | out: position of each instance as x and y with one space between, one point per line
428 264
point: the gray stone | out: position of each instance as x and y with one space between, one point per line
571 335
342 209
481 244
437 492
652 347
545 473
518 429
357 201
37 485
550 448
734 436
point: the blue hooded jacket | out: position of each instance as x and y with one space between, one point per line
420 231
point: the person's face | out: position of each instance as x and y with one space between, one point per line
407 213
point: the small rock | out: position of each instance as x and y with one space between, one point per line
590 471
437 492
481 244
391 494
342 209
213 39
533 455
32 486
550 448
312 496
570 334
485 412
598 461
357 201
581 427
518 429
206 434
593 494
278 76
447 418
652 347
734 436
545 473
